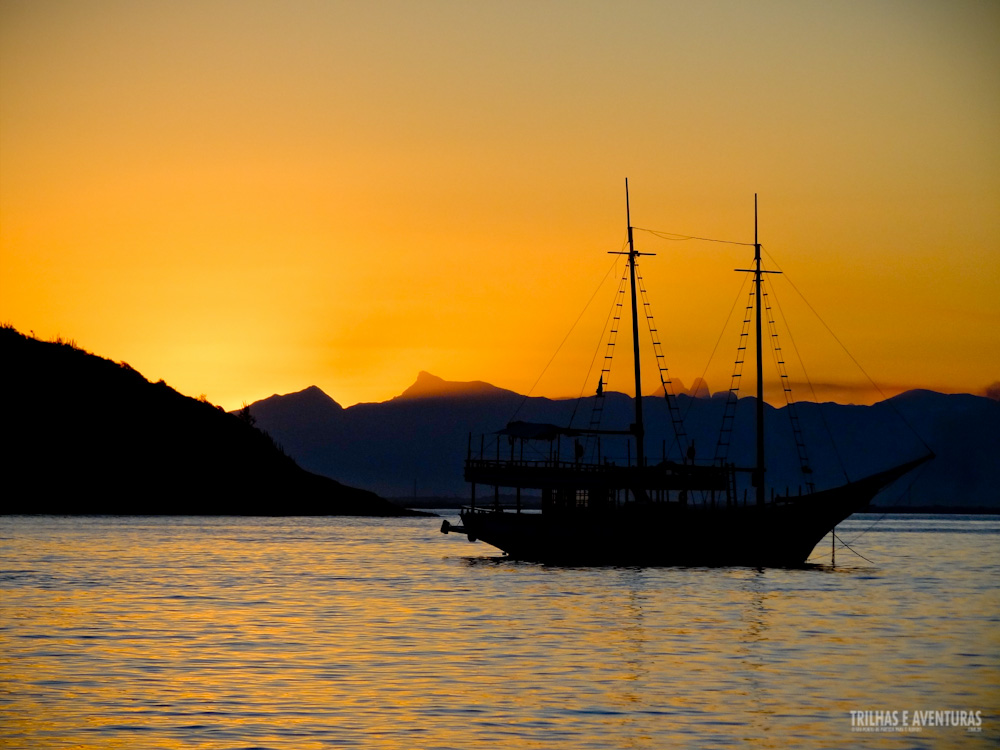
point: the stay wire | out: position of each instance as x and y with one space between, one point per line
561 343
805 374
845 544
667 385
885 398
674 237
722 333
842 544
913 480
877 521
600 341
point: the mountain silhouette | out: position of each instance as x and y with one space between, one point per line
83 434
417 445
431 386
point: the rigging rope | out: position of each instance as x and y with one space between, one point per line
885 398
561 343
722 333
732 397
676 418
913 480
812 559
877 521
790 404
812 389
612 338
674 237
845 544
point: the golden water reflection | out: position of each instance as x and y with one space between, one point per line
304 633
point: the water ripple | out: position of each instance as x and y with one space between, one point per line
302 633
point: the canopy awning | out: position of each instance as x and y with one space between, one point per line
536 430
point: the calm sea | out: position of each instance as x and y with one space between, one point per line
307 633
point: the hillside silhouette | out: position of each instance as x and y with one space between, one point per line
431 386
83 434
416 446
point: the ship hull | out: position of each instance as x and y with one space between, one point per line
781 533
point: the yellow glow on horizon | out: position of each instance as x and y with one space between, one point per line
245 199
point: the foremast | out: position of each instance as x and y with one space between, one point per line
637 428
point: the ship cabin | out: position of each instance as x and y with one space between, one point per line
584 483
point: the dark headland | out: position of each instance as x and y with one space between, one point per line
86 435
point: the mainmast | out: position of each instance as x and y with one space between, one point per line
757 271
637 428
759 469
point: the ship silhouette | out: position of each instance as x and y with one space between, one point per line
686 511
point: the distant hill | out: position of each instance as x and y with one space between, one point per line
431 386
83 434
417 445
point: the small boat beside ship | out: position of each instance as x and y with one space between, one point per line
687 511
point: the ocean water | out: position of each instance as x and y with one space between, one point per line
128 632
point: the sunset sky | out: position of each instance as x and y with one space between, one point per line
246 198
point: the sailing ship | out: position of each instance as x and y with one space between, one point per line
644 512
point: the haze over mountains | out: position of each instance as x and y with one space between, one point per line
415 443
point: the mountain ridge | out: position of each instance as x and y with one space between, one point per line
407 447
431 386
428 385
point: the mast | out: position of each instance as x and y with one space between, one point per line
637 428
757 271
759 469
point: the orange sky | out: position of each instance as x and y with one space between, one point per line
245 198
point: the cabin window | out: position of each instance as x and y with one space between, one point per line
582 498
